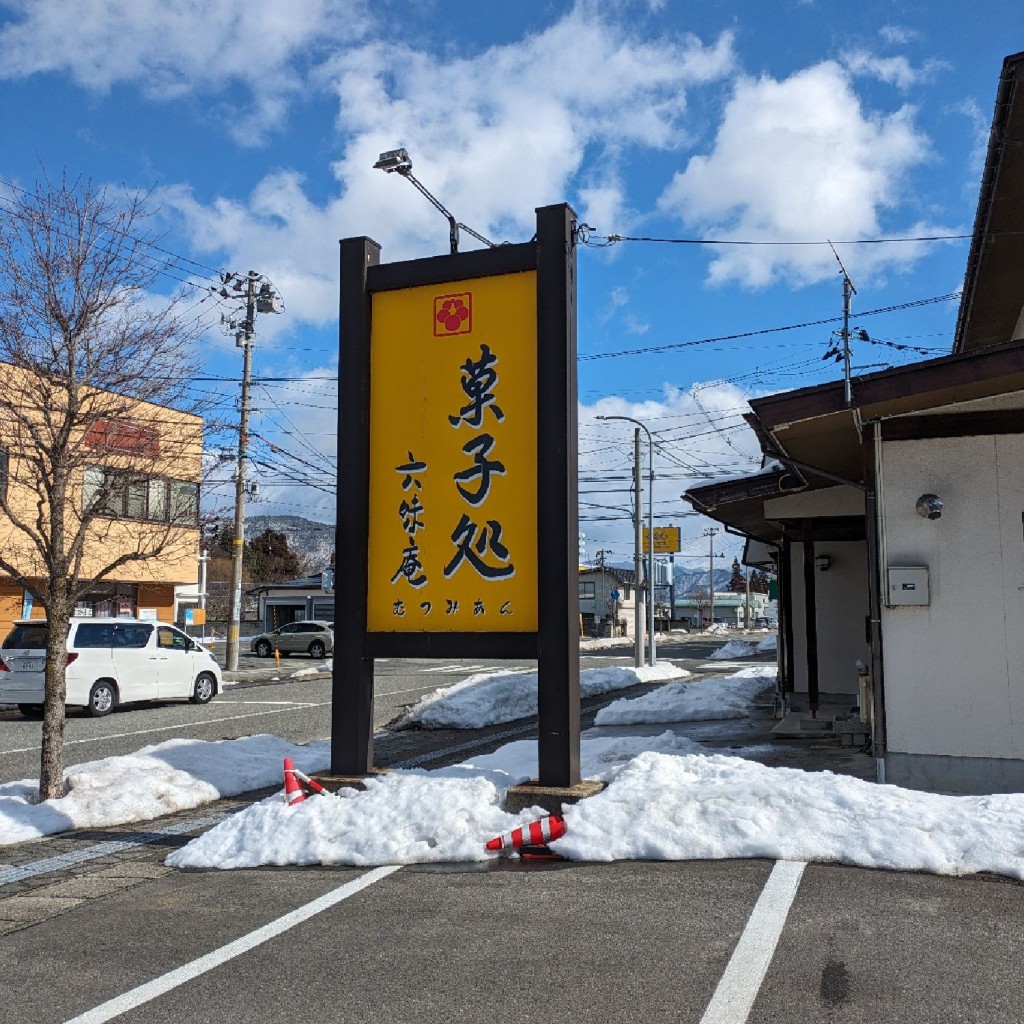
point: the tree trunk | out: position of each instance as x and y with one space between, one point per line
51 765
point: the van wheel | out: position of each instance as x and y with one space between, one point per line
102 699
317 649
206 687
31 710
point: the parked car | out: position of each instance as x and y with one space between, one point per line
110 662
308 636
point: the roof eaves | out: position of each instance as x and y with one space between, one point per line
990 175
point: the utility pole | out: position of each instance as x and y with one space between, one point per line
710 534
671 588
243 339
746 609
848 292
265 301
601 555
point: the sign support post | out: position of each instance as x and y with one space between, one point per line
558 656
352 686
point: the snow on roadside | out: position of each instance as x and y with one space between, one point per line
709 699
173 776
733 649
491 698
665 800
403 817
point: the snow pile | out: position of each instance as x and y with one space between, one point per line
733 649
490 698
173 776
598 643
718 629
408 817
705 700
658 805
311 671
662 807
768 645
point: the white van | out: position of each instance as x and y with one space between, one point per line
110 662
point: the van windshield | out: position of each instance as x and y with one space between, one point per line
30 635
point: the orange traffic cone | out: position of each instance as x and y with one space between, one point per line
293 792
537 833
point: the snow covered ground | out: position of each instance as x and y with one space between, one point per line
490 698
708 700
733 649
667 798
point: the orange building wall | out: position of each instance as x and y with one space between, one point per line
160 597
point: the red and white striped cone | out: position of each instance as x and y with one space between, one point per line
293 792
311 783
537 833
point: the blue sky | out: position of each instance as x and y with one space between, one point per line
255 126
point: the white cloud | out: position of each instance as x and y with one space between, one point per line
168 48
800 160
896 71
979 133
493 136
897 35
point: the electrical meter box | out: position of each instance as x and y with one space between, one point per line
908 585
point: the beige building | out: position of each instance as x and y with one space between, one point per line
145 461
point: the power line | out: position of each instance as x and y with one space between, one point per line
614 239
765 330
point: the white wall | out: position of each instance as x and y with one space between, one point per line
953 680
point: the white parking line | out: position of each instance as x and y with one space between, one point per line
18 873
739 985
278 703
187 972
454 668
179 726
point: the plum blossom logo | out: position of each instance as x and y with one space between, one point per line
453 314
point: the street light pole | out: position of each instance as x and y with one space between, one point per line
710 534
651 649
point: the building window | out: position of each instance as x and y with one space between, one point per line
586 591
121 495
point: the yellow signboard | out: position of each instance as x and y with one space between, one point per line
666 540
453 457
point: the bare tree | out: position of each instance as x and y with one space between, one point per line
103 455
701 598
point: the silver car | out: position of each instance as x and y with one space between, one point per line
305 637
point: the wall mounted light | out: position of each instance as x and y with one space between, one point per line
929 506
822 562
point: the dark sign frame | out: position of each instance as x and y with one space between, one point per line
555 644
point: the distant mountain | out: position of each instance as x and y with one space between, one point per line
689 580
305 536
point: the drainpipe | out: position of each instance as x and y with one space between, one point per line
872 474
